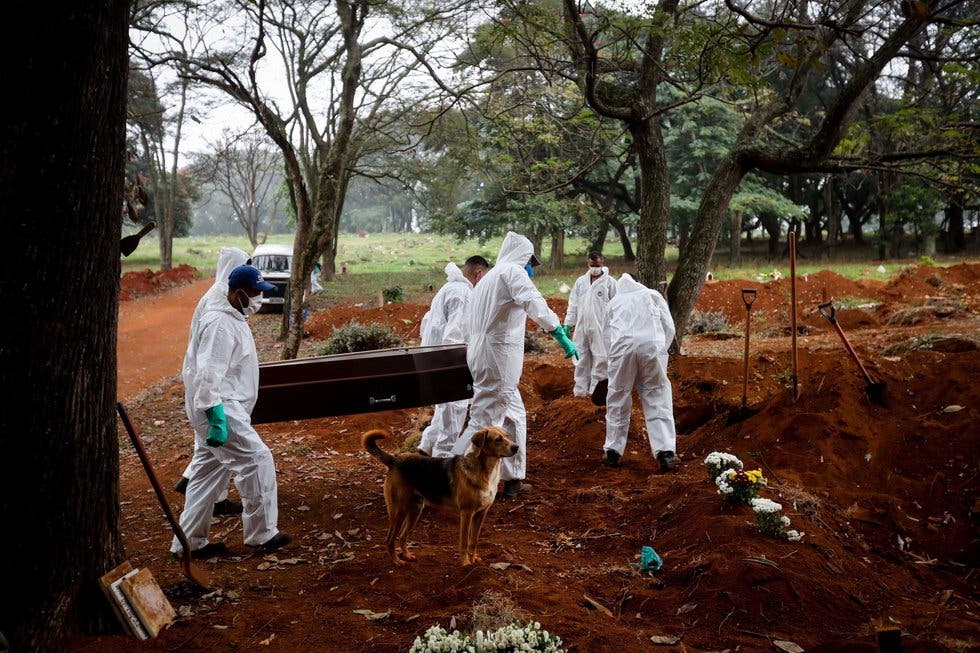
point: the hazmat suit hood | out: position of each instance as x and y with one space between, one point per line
453 273
515 249
229 258
627 284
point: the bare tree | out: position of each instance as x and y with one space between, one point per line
247 172
340 85
62 156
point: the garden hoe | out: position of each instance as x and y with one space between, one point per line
194 574
128 244
748 298
875 389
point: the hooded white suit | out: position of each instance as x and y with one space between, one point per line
222 367
587 305
229 258
502 301
445 324
639 329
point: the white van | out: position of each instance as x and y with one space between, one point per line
275 263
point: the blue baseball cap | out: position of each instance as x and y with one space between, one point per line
248 276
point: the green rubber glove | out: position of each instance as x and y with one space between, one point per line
567 345
569 330
218 433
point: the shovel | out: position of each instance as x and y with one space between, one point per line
128 244
748 298
792 303
194 574
875 389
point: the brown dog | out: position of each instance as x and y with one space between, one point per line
467 484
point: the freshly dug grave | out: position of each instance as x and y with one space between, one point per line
576 533
403 318
151 282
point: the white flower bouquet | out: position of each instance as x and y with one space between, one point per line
770 520
512 638
718 461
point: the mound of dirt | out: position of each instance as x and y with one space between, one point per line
403 318
150 282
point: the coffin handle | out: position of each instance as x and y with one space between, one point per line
387 400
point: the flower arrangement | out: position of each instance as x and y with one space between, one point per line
740 486
719 461
508 639
770 520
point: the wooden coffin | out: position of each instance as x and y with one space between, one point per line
365 382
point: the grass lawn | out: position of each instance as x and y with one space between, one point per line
413 261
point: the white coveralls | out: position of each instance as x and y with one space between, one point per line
222 367
639 330
587 305
502 301
229 258
445 324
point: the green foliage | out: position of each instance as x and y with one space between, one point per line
393 294
355 337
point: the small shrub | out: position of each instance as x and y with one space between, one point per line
358 337
708 322
769 518
532 345
927 260
719 461
393 294
508 639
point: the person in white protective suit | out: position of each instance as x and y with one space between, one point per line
222 381
639 329
501 303
229 258
586 313
445 324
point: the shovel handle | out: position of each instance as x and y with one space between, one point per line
748 297
831 314
147 228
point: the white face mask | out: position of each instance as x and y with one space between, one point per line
253 306
595 272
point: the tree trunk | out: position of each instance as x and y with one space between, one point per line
62 147
599 240
735 226
557 259
833 212
651 233
693 264
167 244
955 235
536 237
624 239
770 222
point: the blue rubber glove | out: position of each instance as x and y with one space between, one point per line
218 433
567 345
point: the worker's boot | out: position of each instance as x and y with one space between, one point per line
181 485
227 507
514 487
277 541
612 458
668 460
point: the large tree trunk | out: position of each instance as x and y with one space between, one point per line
833 212
62 147
651 232
599 240
955 234
770 222
694 260
557 259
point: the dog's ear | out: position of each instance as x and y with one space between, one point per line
480 438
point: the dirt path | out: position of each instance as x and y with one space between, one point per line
153 336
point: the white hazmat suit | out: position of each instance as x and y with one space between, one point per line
639 329
222 367
445 324
501 303
587 305
229 258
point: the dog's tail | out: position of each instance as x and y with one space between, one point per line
370 443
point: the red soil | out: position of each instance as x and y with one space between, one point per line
150 282
403 318
855 476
